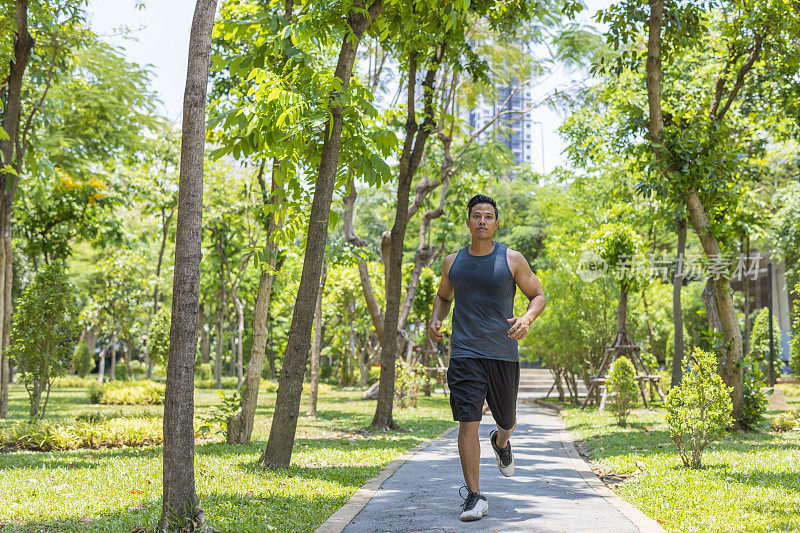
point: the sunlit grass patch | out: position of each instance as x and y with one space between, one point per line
750 481
120 489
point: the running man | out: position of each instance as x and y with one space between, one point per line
482 279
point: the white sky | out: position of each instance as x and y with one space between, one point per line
158 36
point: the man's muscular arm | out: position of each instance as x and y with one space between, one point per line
442 301
531 287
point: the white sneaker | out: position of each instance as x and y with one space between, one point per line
505 459
474 507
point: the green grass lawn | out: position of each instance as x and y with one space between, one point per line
119 489
750 480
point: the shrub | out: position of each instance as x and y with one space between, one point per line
137 369
158 337
203 372
122 372
700 409
216 420
115 432
407 383
759 338
142 392
787 421
621 385
794 361
227 382
374 375
44 331
82 359
754 403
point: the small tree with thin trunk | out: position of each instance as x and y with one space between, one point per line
181 507
43 334
618 245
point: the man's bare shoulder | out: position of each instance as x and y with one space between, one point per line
448 262
515 257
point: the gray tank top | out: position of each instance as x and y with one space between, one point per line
484 299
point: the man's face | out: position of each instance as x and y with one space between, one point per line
482 222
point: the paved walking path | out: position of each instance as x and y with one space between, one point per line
546 494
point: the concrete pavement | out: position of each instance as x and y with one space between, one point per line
551 490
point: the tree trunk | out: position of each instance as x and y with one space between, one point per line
113 361
413 149
240 426
710 303
220 346
205 343
239 336
731 369
128 356
5 368
677 309
363 367
278 452
748 323
653 82
181 507
23 43
316 348
270 348
101 362
373 307
622 308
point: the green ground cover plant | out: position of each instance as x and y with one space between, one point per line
46 436
749 483
120 489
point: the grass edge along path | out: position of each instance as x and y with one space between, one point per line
120 489
750 481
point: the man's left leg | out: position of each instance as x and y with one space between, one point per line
502 388
503 435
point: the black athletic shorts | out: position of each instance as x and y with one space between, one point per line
471 380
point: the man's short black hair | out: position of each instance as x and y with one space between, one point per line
481 199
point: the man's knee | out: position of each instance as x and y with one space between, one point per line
468 428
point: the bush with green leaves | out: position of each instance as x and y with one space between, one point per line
794 361
203 372
700 409
122 372
215 421
44 331
158 337
82 359
621 384
142 392
44 436
786 421
754 403
407 383
759 338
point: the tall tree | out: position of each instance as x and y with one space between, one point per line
181 507
9 176
278 451
702 143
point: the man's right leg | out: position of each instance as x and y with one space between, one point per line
469 451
